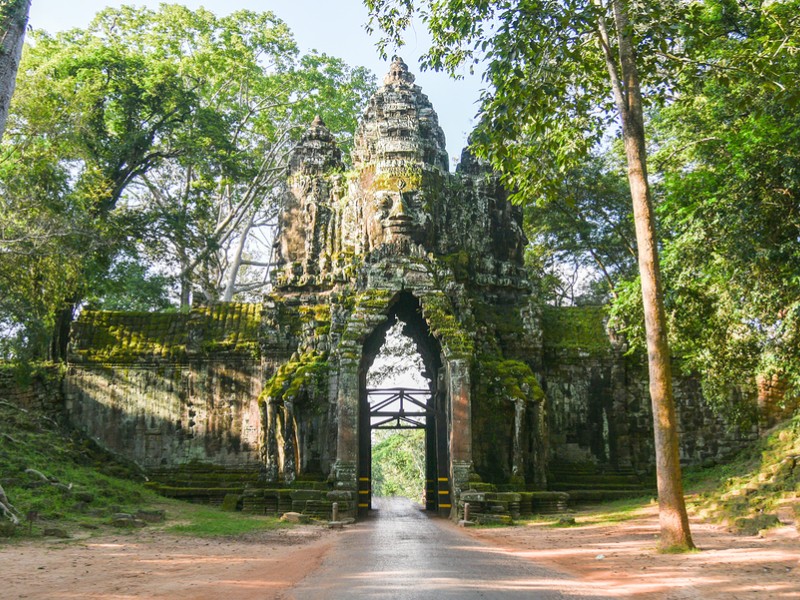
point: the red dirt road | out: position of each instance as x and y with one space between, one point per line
614 561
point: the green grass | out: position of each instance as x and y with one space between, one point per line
744 493
755 483
87 486
206 521
84 483
606 513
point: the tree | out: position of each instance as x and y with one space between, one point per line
582 242
13 21
398 463
205 208
556 72
144 136
89 117
728 151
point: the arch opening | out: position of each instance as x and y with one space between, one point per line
402 411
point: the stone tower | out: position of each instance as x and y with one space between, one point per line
400 237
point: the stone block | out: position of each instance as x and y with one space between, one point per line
56 532
473 496
295 517
340 496
231 502
303 495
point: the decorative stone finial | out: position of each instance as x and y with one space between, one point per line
318 130
398 72
317 150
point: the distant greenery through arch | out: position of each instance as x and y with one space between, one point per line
398 456
398 463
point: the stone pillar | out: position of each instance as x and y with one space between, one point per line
619 410
772 402
346 466
289 444
269 415
460 428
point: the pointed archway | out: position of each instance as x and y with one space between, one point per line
406 409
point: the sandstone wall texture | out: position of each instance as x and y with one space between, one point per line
599 401
168 389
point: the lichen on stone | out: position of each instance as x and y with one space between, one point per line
579 328
304 374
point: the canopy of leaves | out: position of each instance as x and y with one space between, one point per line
398 463
729 198
548 101
146 147
582 242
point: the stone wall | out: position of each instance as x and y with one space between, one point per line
165 415
39 389
168 389
599 402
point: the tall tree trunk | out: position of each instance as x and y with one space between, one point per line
236 263
59 343
13 21
673 520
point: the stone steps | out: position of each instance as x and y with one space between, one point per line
242 490
588 482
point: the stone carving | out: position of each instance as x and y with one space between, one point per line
401 236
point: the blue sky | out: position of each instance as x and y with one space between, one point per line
335 27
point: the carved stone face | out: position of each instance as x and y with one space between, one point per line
397 217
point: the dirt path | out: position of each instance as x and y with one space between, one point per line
620 560
155 565
614 561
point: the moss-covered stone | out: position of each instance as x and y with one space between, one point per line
438 311
127 337
306 373
577 328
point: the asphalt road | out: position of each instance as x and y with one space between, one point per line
401 552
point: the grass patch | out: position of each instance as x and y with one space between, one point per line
82 486
62 478
207 521
755 483
607 513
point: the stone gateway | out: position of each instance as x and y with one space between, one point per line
267 404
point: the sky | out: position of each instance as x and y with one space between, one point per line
335 27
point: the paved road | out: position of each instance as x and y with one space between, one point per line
402 553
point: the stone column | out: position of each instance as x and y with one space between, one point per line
269 419
460 428
289 443
346 465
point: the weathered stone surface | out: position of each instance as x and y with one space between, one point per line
125 520
295 517
151 516
400 237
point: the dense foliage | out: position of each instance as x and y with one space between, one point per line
398 463
144 159
728 157
721 82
